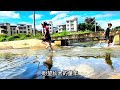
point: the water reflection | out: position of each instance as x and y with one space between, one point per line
108 60
49 63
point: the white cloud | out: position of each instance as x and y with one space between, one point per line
61 15
38 27
103 15
9 14
37 16
104 23
58 12
63 20
13 24
25 23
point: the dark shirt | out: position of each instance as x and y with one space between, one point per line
107 32
47 32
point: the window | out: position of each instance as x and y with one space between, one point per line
28 29
20 31
20 27
67 21
72 29
17 31
28 26
50 27
24 31
13 28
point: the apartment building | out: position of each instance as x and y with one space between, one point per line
13 29
71 25
24 28
50 26
6 28
61 28
55 29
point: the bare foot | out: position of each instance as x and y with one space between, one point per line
47 46
53 51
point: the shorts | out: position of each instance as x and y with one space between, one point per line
47 39
106 37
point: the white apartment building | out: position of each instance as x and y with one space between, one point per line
50 26
55 29
13 30
6 28
61 28
71 25
24 28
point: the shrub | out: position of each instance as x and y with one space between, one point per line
28 35
64 33
3 35
10 38
16 36
2 39
22 37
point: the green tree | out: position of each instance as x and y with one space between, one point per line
117 28
89 20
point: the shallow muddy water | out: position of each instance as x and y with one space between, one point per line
88 62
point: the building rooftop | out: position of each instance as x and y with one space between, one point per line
13 26
29 25
4 24
73 19
21 24
62 25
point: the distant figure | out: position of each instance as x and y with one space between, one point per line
46 36
108 60
107 32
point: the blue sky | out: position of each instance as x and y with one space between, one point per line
59 17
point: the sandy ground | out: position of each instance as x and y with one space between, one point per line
30 43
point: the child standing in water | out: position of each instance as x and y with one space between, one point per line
107 32
46 35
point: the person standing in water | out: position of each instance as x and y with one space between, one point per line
46 35
106 33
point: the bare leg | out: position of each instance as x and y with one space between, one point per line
43 42
108 43
50 45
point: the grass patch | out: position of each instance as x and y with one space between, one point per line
4 37
65 33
